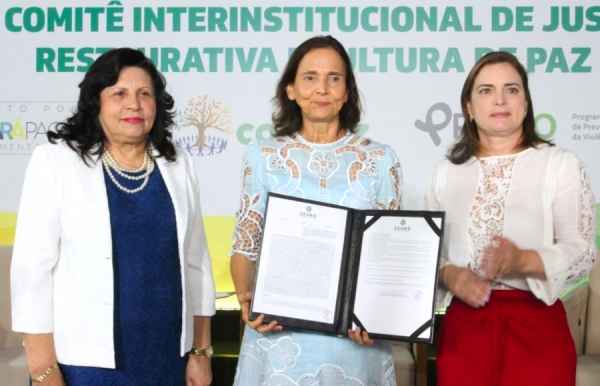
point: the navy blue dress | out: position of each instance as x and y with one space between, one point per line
148 293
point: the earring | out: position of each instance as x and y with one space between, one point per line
471 117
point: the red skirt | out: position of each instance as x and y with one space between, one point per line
515 339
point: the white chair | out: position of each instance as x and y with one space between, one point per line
13 362
404 363
410 362
583 314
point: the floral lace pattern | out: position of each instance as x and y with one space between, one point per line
354 172
249 226
283 352
387 375
323 163
254 368
587 230
349 172
586 206
325 375
542 200
487 212
487 218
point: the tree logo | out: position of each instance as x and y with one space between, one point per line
210 120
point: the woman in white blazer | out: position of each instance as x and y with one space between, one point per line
520 230
111 278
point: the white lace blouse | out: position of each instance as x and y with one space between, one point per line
539 198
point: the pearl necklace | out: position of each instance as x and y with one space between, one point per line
147 167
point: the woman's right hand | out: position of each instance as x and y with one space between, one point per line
466 285
256 324
55 378
41 355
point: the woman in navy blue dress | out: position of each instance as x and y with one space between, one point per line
116 286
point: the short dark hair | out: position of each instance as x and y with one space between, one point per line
83 132
468 143
287 118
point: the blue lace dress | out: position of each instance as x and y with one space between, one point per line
148 293
354 172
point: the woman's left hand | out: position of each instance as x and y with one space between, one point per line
360 338
502 259
198 372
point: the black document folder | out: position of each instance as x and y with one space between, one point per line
330 268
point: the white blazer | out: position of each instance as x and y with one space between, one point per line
62 270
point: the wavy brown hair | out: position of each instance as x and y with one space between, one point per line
287 118
468 144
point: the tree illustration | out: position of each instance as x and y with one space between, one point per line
204 114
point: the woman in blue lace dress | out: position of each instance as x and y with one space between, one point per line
315 155
111 277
